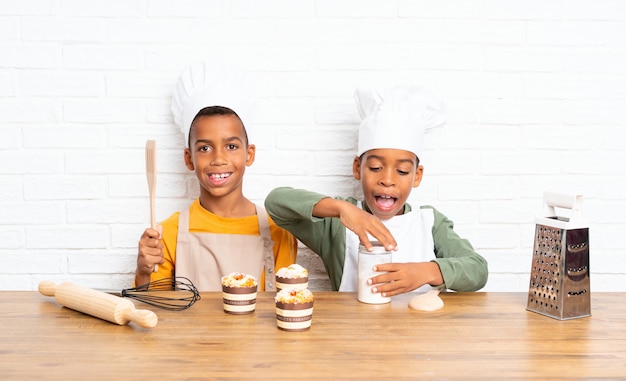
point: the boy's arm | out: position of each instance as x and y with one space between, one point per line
292 210
359 221
296 209
463 269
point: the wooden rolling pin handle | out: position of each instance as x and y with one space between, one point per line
143 318
99 304
47 288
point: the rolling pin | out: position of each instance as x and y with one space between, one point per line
99 304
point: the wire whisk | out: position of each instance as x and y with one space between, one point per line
173 294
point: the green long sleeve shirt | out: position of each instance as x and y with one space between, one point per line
292 209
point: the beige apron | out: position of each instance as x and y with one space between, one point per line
205 258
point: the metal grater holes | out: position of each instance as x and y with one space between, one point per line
546 268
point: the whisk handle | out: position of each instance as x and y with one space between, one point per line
99 304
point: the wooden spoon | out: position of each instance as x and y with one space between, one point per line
151 176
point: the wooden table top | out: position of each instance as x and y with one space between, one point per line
475 335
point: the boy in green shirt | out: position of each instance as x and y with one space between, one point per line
427 251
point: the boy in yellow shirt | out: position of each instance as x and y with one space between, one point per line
222 231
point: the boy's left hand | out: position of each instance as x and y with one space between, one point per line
405 277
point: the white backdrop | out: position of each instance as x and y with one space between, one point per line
536 94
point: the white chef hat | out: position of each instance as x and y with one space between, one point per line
212 84
397 117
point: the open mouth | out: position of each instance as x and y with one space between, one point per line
385 202
219 177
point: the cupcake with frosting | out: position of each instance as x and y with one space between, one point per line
294 309
292 276
239 293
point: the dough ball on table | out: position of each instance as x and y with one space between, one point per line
429 301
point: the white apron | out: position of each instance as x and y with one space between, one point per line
205 258
413 234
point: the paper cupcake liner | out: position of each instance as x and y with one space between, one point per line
294 316
239 300
297 283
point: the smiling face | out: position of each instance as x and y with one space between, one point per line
219 155
387 177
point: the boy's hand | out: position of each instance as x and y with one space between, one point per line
405 277
150 254
356 219
363 223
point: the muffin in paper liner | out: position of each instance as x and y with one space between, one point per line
294 309
292 276
239 293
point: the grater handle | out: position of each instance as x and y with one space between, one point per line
574 203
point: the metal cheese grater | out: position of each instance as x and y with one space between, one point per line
559 276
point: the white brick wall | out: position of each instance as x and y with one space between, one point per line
536 92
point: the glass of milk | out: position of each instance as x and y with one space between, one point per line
367 260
